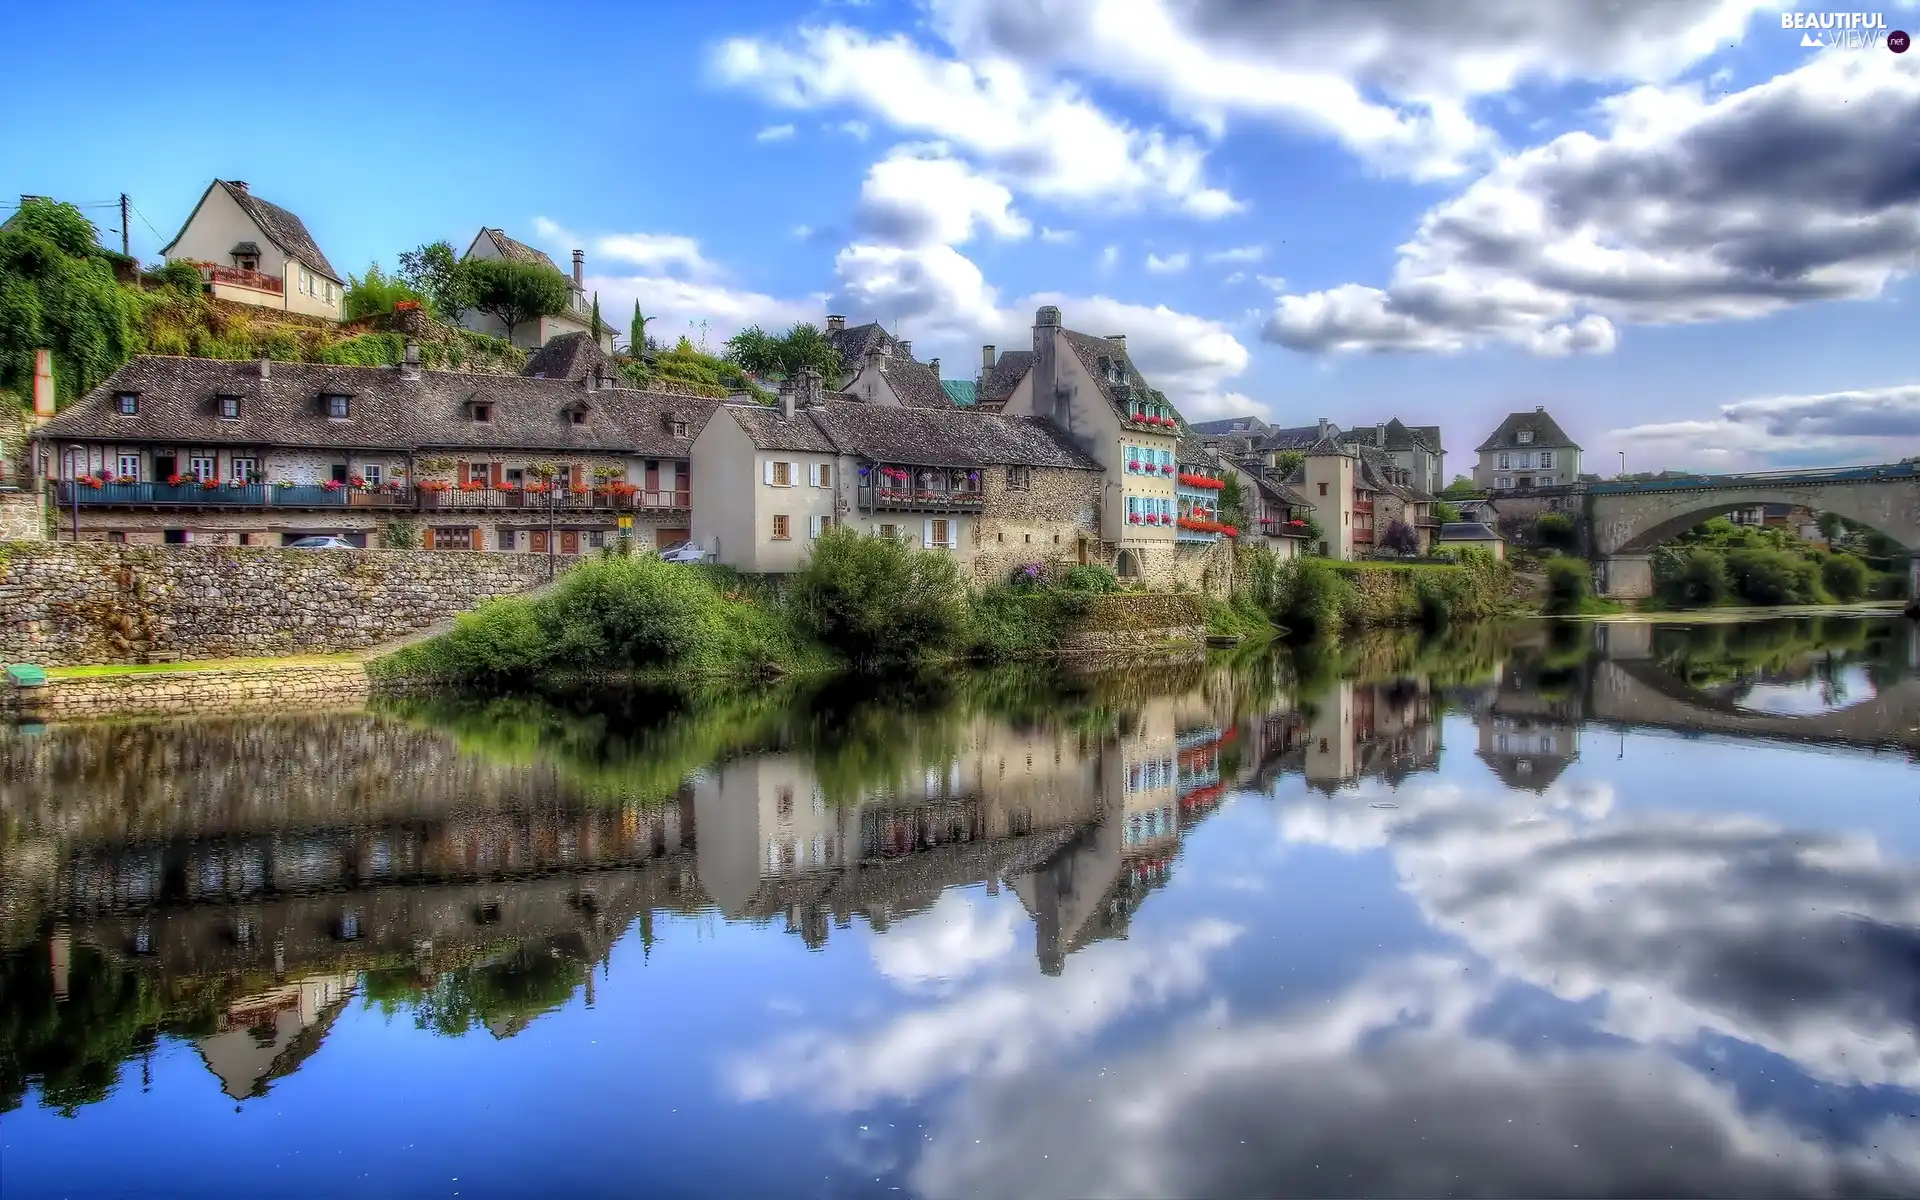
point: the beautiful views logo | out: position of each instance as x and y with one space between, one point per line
1845 31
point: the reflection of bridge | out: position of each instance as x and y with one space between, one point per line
1626 520
1639 693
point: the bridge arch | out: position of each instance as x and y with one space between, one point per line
1635 523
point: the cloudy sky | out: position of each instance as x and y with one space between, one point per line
1687 234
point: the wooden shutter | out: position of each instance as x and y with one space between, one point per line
466 472
499 473
426 538
926 533
769 471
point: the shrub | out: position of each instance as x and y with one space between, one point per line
630 612
1400 538
501 641
1700 579
1090 577
879 600
400 535
1555 531
1569 585
1845 577
1770 577
1314 598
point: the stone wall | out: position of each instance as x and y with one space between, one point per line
178 693
66 603
1045 522
23 516
1135 625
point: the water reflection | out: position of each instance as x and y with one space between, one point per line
1241 929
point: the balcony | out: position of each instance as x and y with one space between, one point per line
1284 527
228 495
598 499
219 277
918 489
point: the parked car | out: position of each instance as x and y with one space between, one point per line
327 542
685 552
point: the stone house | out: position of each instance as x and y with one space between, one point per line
1088 388
262 453
1278 512
879 369
531 335
1412 449
997 492
253 252
1528 450
1389 493
1328 480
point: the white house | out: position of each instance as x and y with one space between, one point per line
257 253
578 317
1528 450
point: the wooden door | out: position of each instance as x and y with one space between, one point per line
539 541
569 541
669 538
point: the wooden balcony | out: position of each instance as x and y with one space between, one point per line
908 499
598 499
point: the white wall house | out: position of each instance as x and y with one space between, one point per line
254 252
578 317
1528 450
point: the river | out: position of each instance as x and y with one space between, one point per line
1539 909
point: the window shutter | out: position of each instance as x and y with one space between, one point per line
499 473
813 474
826 475
926 534
769 472
426 539
953 534
466 472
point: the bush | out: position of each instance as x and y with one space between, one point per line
400 535
1555 531
1569 585
498 642
1845 577
1090 577
879 600
1769 577
1701 579
1313 598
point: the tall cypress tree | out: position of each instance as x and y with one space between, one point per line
598 328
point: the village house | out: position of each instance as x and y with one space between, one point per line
997 492
253 252
577 317
1413 450
262 453
879 369
1528 450
1088 388
1278 513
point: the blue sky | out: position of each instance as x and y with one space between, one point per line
1639 214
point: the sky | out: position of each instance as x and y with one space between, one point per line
1690 237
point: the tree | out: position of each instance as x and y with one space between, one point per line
597 326
1286 462
637 332
785 355
879 600
1446 513
514 293
433 272
1400 538
375 293
1233 502
1461 489
58 292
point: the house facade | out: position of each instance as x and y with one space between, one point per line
1411 449
879 369
1528 450
254 252
179 450
531 335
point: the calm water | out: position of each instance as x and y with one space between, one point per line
1526 911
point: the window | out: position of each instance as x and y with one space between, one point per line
820 475
450 538
338 407
483 413
371 473
1323 489
1133 509
780 474
117 536
200 466
940 533
1019 479
578 416
1504 462
1503 481
129 471
1546 458
679 429
229 408
128 403
1525 437
596 538
244 469
781 529
816 525
887 531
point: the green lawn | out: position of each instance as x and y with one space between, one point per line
211 664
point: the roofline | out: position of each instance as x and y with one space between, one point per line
197 206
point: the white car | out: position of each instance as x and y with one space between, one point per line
318 542
685 552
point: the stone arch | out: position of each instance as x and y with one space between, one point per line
1127 564
1634 523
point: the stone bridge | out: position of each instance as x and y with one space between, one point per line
1625 521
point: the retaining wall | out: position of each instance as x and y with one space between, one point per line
177 693
67 603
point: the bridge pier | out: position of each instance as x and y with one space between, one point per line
1624 576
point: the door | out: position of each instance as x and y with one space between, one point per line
569 541
538 541
653 481
669 538
339 472
165 467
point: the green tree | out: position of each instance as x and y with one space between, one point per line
1286 462
879 600
58 292
433 272
785 355
1701 578
1461 489
1845 576
1569 585
1233 502
1555 531
375 293
597 326
514 293
1445 513
1400 538
637 332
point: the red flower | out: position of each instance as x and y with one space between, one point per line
433 485
333 485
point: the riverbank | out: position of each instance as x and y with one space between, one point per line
1735 614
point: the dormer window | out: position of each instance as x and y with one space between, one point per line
674 423
229 408
338 407
577 415
1525 437
127 404
679 429
483 413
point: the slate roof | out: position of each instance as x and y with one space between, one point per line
1378 471
1279 495
1467 531
179 404
518 251
1546 432
945 437
280 226
1330 445
914 383
1091 351
1194 452
767 427
1232 425
571 356
962 392
998 384
1399 436
1299 437
855 342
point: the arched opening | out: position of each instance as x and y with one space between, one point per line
1127 566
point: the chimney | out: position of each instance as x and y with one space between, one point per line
410 361
986 359
266 367
906 350
1118 339
43 394
579 267
786 400
933 364
1380 434
1539 408
238 185
1323 427
808 390
1047 401
836 323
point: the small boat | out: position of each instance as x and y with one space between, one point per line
1222 641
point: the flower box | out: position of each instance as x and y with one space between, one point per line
1134 518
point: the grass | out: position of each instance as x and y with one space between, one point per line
210 664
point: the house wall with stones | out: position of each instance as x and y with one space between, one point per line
66 603
1045 522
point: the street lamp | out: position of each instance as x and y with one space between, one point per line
1623 463
73 488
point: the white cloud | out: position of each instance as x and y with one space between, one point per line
549 230
919 199
1172 264
656 251
859 131
1797 190
680 305
774 133
955 939
1238 254
1868 425
1273 283
803 231
1236 277
1109 258
1044 135
1394 83
1058 237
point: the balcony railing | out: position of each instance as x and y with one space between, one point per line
599 499
1278 527
241 277
909 499
228 495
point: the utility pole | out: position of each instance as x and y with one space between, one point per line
126 243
